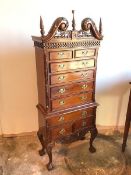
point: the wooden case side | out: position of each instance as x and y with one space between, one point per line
40 68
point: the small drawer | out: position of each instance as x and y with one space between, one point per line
60 55
75 76
84 53
71 88
84 123
68 117
72 100
60 131
65 66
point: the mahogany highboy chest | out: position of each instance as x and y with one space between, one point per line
66 62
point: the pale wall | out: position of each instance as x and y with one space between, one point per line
19 19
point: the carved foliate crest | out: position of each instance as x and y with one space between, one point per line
88 24
60 26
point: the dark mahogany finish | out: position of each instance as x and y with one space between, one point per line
127 123
66 62
72 88
72 100
72 76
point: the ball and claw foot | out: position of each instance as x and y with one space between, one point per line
41 152
50 166
92 149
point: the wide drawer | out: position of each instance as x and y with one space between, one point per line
64 66
71 88
74 76
84 53
60 55
72 116
72 100
60 131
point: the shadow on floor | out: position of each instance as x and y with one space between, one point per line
19 156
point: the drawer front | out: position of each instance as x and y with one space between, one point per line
83 123
71 88
72 116
75 76
64 66
72 100
60 55
60 131
84 53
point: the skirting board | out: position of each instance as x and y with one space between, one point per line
107 130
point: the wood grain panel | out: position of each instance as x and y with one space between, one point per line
64 66
60 55
71 88
74 76
71 116
60 131
83 123
84 53
72 100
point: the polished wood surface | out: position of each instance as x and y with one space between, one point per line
72 77
60 55
68 117
127 123
88 122
72 100
66 64
61 91
61 131
84 53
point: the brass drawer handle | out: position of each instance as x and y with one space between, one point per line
83 98
84 52
61 77
61 102
84 75
84 114
61 90
62 131
83 124
61 66
61 118
61 53
85 63
84 86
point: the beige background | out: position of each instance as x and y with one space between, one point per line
19 19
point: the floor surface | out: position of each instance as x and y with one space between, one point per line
19 156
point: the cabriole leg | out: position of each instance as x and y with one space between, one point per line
41 139
94 133
49 152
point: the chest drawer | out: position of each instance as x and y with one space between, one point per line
60 131
84 123
84 53
72 100
65 66
71 88
75 76
60 55
72 116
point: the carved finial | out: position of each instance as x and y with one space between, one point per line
41 27
73 20
100 26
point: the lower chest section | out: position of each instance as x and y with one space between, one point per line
65 124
